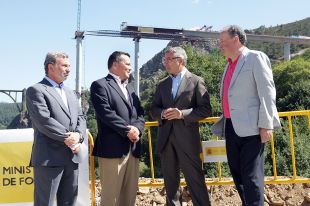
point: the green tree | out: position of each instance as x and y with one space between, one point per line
292 80
8 111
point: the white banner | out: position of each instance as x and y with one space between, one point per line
16 176
214 151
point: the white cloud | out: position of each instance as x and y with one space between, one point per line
195 1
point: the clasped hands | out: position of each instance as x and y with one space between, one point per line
72 141
133 133
172 113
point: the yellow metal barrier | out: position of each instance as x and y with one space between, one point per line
92 170
219 180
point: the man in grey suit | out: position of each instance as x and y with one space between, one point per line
59 129
249 113
180 101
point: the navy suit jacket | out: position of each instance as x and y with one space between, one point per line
113 114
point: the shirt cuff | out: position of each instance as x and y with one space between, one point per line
161 115
74 146
81 140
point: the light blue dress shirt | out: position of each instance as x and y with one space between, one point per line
176 82
60 90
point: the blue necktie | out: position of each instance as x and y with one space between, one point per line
175 85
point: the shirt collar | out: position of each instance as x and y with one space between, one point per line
180 74
54 84
233 62
118 79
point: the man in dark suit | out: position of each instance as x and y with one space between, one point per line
120 125
180 101
59 129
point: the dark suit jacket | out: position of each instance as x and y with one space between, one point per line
114 113
50 120
193 100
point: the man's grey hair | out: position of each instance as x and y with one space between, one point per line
178 52
234 30
51 58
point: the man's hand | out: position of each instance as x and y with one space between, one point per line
172 113
133 133
72 138
75 148
265 134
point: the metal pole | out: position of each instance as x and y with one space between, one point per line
24 107
274 162
79 63
136 72
287 51
292 146
151 154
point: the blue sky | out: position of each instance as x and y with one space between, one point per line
29 29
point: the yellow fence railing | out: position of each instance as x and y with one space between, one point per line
218 181
92 170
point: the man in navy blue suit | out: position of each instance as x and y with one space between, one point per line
120 125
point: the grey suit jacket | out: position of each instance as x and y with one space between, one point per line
193 100
50 120
251 96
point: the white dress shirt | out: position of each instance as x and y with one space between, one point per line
121 85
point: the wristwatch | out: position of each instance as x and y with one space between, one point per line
81 138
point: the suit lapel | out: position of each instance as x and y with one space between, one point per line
71 103
50 89
183 85
114 85
130 92
168 91
239 66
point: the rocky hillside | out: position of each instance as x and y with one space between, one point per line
152 69
297 28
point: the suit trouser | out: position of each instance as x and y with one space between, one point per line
52 182
172 160
119 180
246 162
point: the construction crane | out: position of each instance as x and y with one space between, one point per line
79 35
78 24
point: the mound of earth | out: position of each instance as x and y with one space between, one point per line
275 195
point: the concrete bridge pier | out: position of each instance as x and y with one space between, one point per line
287 51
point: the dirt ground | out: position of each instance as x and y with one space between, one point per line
275 195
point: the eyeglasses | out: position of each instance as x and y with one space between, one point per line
168 60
